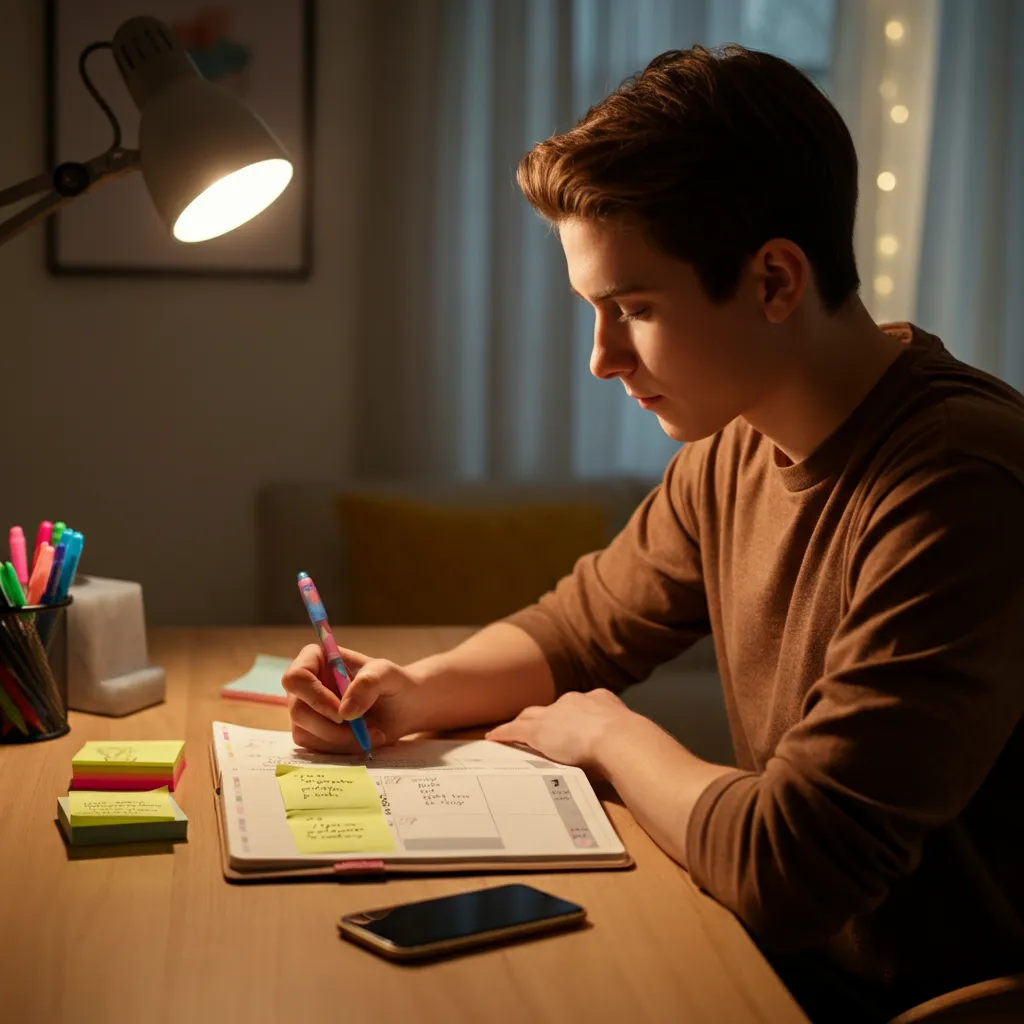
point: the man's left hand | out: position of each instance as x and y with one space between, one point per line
570 731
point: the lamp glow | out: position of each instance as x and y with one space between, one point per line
886 181
231 201
209 163
887 89
883 284
899 113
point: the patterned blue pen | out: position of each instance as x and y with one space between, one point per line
339 674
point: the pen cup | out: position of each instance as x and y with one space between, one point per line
34 672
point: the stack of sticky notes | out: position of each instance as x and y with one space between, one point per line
88 817
261 683
128 765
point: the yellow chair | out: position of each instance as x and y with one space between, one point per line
416 562
996 1001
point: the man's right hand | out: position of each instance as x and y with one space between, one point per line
381 691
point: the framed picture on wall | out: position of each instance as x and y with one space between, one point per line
260 49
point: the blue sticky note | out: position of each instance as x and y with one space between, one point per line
261 683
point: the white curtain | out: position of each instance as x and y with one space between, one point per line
472 354
971 289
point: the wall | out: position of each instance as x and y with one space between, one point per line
147 413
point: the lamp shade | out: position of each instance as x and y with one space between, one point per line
209 163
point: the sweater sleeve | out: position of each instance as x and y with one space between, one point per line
637 603
922 688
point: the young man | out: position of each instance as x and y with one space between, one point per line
846 520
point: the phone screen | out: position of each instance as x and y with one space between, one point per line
456 917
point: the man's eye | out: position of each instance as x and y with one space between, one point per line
625 317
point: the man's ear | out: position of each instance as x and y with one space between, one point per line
783 274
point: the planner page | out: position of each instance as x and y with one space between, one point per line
425 800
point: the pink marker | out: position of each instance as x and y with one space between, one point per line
40 574
17 537
43 535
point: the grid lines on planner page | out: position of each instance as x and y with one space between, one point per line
516 812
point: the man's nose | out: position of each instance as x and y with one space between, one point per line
612 355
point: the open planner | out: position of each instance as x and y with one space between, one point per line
419 806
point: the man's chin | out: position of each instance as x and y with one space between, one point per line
685 432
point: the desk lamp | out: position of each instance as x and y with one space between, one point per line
209 163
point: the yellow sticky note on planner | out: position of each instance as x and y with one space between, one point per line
333 809
91 808
328 788
353 831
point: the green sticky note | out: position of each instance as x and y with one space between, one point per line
98 808
327 788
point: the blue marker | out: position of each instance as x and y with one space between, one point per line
322 628
50 593
75 542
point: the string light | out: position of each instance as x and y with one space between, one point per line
888 245
894 31
889 212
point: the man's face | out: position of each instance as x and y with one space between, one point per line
695 363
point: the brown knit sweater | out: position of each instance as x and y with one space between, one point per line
867 609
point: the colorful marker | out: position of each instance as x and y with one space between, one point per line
75 542
58 531
43 535
18 559
12 586
40 573
53 580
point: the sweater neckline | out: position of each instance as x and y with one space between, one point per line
829 458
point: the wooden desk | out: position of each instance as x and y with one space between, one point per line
161 937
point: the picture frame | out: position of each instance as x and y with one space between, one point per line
261 49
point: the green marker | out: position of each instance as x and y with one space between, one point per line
12 586
8 602
58 530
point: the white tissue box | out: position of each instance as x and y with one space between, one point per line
108 669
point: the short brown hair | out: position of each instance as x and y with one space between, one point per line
713 153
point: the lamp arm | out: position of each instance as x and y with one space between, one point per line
64 184
29 187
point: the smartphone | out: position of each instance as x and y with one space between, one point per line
428 928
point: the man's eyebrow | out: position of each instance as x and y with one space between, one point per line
610 293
